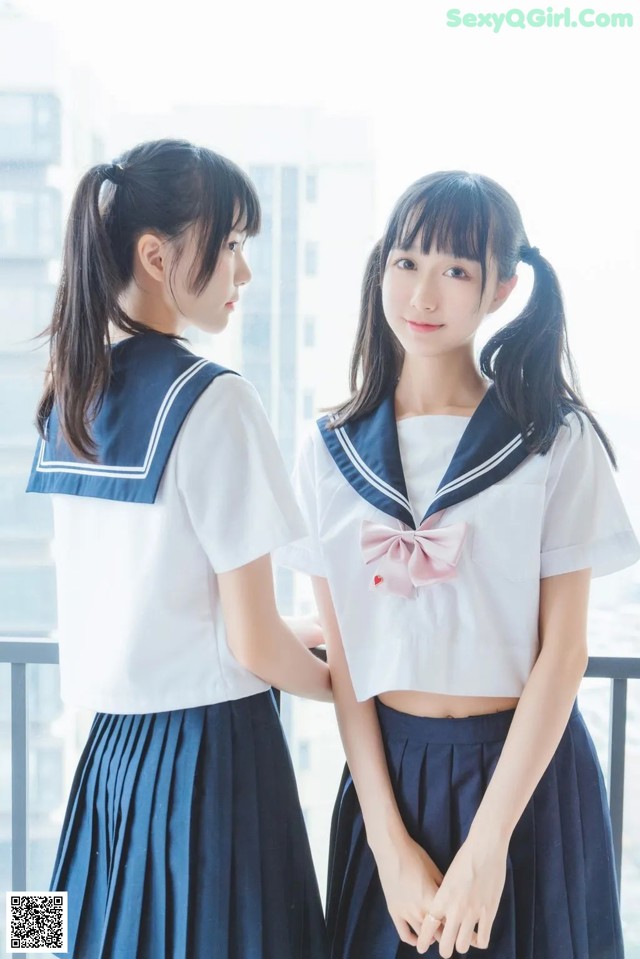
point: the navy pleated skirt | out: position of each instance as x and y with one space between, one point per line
184 839
560 899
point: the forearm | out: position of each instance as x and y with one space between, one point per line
306 629
260 639
538 725
543 711
282 661
364 750
361 737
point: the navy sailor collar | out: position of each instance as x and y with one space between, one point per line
367 453
155 381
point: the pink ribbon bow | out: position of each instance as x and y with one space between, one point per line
410 558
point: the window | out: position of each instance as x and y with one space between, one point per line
30 127
20 390
309 332
45 704
23 518
308 404
47 783
311 258
27 598
24 312
30 223
311 191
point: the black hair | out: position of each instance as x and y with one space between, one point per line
163 186
471 216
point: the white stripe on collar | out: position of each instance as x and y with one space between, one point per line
367 472
131 472
483 467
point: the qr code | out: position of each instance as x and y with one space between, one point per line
36 921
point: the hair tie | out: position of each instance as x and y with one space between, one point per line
528 254
115 173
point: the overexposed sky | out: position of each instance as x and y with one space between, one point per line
549 112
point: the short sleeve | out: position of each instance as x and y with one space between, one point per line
305 555
232 478
585 522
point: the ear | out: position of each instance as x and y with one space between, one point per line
502 293
151 254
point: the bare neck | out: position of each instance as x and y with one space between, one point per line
439 384
147 305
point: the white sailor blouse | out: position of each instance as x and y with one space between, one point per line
189 483
436 589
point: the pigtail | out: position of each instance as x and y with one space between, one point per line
528 360
164 186
376 358
87 299
531 365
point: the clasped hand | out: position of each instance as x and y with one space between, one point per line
457 909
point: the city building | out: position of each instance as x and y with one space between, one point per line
48 133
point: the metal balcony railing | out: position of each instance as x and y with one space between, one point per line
20 652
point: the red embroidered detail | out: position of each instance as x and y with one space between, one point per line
377 580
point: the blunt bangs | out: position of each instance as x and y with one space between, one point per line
249 218
446 212
227 201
